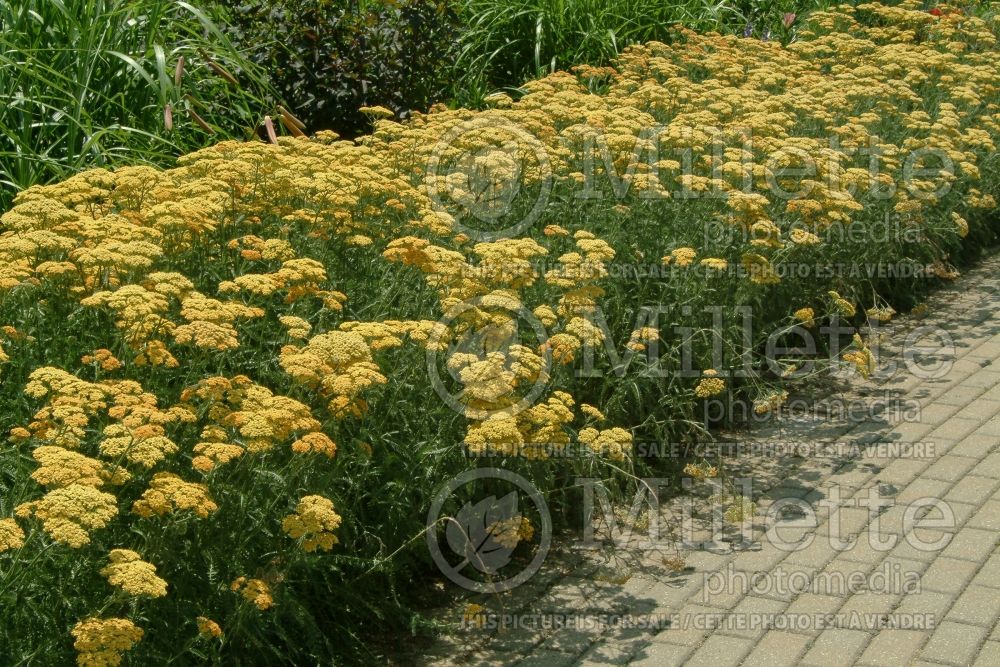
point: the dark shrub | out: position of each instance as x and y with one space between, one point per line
329 58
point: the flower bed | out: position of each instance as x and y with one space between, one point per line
231 388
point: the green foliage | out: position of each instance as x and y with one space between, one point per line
505 41
327 59
89 82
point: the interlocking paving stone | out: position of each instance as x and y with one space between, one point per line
989 574
992 425
972 544
777 649
660 654
977 605
980 408
954 643
926 604
923 487
955 428
605 654
691 627
989 466
720 651
903 471
547 659
753 612
868 605
817 553
948 575
989 655
950 468
923 549
960 396
891 648
836 647
972 489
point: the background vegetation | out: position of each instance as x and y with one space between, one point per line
327 59
90 82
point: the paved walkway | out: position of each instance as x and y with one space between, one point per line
734 604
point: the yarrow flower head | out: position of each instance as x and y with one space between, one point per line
169 493
843 306
208 628
313 523
103 359
511 532
70 513
315 443
701 471
770 402
11 535
133 575
254 590
59 467
474 615
642 338
681 256
806 317
100 642
710 385
714 263
740 510
615 443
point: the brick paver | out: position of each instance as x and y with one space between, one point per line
909 603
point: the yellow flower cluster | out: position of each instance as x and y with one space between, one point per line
339 364
11 535
59 467
474 615
68 514
860 357
254 590
770 402
739 510
511 532
681 257
615 443
245 416
842 305
640 339
133 575
169 493
315 443
805 316
710 385
102 358
313 523
701 471
535 432
208 628
100 642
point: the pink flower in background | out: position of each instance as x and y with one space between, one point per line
788 19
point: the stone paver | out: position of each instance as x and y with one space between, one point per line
777 648
890 648
954 643
932 597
